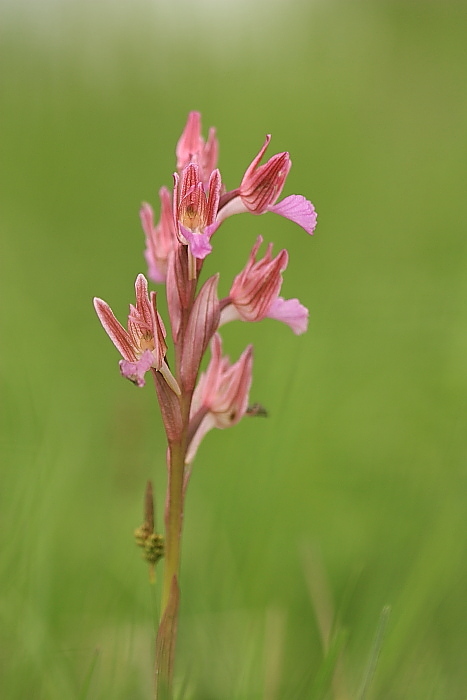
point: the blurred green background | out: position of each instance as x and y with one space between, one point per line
351 495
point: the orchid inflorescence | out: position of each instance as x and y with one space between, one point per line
191 404
175 250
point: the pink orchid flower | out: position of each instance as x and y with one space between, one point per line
191 148
260 189
254 294
160 239
220 399
195 211
143 345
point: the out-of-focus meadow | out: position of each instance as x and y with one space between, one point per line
350 496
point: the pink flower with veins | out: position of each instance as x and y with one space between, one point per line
260 189
143 345
195 211
220 399
160 239
254 294
191 148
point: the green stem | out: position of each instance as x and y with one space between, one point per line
174 519
167 632
166 636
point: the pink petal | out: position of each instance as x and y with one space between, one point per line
256 160
232 405
135 371
261 188
146 214
215 186
159 333
160 238
210 154
198 243
189 180
291 312
208 384
212 228
156 271
299 210
190 142
117 334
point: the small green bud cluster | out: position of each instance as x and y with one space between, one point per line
151 543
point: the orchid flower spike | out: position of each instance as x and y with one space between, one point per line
143 345
254 294
160 239
191 148
260 189
221 395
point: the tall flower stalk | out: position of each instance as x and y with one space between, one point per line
192 404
